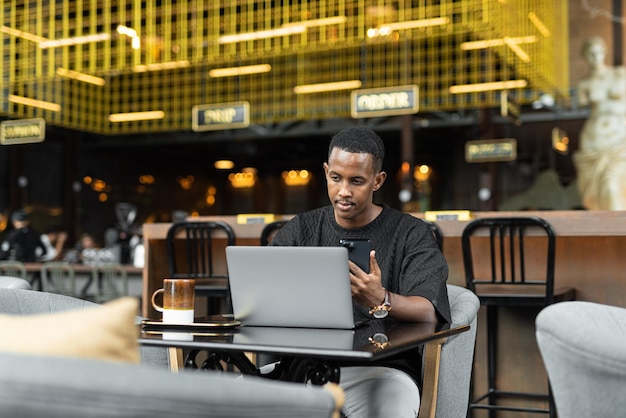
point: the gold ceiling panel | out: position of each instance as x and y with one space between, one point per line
75 63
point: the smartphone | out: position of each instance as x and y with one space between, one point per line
358 252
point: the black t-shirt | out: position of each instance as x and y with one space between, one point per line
24 242
406 251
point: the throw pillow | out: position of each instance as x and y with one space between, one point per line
106 332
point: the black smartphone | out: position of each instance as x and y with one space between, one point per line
358 252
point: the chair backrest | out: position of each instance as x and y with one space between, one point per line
32 302
582 347
111 280
269 230
10 282
58 277
197 247
457 355
511 244
13 268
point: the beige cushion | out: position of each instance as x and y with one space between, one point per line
106 332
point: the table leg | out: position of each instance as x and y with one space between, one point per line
430 387
176 358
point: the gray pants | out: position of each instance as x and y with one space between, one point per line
373 392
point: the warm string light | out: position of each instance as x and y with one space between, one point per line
296 177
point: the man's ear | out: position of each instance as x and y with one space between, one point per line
325 166
379 180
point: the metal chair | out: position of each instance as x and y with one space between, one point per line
269 230
13 268
514 268
58 277
111 281
194 257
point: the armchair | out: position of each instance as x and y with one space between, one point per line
14 283
39 385
582 346
449 386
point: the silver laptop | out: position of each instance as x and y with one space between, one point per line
305 287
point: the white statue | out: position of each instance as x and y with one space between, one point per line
601 158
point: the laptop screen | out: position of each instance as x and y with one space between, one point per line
290 286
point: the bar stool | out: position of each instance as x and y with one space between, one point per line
58 277
517 270
270 230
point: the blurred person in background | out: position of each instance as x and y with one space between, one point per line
54 241
23 243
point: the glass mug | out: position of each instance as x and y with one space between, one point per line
178 301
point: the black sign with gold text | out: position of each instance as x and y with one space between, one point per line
401 100
490 150
220 116
22 131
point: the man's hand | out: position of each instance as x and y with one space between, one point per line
367 289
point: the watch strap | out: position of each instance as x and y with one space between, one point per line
385 306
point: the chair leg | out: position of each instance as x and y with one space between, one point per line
492 352
551 404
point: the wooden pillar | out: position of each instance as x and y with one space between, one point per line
618 33
407 154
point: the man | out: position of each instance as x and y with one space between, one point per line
23 243
407 275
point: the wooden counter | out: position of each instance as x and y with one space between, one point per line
589 257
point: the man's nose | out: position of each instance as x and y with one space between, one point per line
345 189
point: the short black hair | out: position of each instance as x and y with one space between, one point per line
19 215
360 140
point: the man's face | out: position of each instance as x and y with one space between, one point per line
351 183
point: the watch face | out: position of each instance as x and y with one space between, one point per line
381 313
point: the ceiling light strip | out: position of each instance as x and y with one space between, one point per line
21 34
322 87
170 65
54 107
541 27
481 87
516 49
414 24
318 22
263 34
77 40
490 43
136 116
86 78
243 70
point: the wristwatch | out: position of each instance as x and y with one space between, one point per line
382 310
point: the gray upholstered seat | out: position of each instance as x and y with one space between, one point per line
11 282
30 302
57 387
583 348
